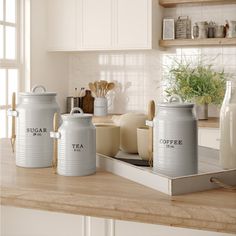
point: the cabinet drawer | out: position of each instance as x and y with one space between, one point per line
209 137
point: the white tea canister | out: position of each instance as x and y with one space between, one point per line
34 113
175 151
76 145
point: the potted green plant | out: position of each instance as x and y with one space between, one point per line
196 83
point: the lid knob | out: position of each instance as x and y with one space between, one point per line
76 109
38 87
175 98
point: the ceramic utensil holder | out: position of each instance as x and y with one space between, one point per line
100 106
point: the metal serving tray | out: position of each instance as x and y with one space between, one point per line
208 167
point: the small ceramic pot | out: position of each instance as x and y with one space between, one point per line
107 139
202 111
142 141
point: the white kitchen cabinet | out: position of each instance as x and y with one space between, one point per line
209 137
133 23
82 25
18 221
61 25
97 24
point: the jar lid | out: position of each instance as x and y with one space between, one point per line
176 101
73 115
176 105
34 92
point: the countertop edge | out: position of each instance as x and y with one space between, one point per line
118 214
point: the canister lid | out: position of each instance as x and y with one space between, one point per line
175 101
36 92
176 105
74 115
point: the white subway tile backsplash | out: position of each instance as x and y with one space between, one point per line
229 50
211 51
138 74
229 60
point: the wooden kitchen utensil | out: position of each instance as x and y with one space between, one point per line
13 122
93 88
55 129
109 86
151 114
103 87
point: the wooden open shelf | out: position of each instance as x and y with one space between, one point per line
173 3
197 42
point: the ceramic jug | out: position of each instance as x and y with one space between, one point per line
76 145
34 121
175 139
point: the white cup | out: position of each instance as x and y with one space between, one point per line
100 106
142 142
107 139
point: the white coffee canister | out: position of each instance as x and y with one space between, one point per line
34 147
76 144
175 151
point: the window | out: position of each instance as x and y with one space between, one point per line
10 65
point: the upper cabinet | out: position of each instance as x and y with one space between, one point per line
62 24
82 25
97 24
133 23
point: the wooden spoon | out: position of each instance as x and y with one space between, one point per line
93 88
109 87
103 84
13 128
151 114
55 153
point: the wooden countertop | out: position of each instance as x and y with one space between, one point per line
212 122
109 196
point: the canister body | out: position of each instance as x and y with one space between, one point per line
34 147
175 141
76 147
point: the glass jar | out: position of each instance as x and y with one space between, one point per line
203 29
228 128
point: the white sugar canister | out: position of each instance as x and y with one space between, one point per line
34 113
175 138
76 145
